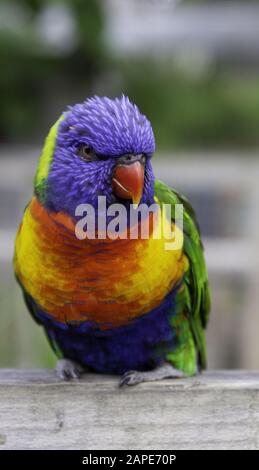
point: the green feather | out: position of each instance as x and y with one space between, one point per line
40 180
193 299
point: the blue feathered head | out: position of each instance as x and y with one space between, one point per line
111 127
93 140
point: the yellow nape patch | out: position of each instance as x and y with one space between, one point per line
47 153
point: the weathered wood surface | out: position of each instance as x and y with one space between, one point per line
216 410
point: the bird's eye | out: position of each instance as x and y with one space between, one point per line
86 152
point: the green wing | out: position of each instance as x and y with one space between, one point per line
193 299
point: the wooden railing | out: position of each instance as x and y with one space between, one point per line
215 410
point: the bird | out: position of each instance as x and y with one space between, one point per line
125 306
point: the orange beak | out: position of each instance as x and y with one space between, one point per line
128 181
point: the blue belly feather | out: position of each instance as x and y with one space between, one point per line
140 345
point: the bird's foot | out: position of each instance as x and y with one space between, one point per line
67 369
164 371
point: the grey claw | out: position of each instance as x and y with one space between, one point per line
165 371
131 377
67 369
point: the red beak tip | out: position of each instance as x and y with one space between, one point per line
128 181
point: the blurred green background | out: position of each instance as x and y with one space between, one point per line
57 50
192 67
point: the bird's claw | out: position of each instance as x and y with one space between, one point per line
67 369
131 377
165 371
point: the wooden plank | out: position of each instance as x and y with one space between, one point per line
216 410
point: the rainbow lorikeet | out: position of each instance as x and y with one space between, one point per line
124 306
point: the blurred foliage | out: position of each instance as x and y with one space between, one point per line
213 110
40 75
34 69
